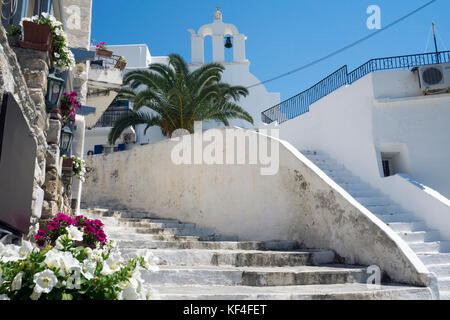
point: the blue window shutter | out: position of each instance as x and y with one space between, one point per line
42 6
98 149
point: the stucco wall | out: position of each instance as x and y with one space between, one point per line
355 123
298 203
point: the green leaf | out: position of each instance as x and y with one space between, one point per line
67 296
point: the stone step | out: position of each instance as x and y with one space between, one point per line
151 237
407 226
212 245
425 247
420 236
444 283
240 258
348 291
363 193
441 270
398 217
344 179
352 187
385 209
254 276
435 258
374 201
444 295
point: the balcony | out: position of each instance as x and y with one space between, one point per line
104 82
110 117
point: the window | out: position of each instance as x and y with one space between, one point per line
393 158
386 168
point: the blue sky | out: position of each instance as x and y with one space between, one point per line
282 35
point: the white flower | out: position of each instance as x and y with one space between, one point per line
45 281
35 295
150 261
111 265
57 55
4 297
128 293
52 259
74 233
69 263
10 253
88 269
17 282
74 281
25 250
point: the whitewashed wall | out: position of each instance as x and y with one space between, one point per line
298 203
380 111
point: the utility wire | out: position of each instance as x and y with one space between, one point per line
346 47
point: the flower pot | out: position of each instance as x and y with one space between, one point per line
121 65
67 165
104 53
37 36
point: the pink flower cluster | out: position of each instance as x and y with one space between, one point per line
101 45
93 229
68 106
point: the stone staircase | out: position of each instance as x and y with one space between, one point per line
198 263
425 242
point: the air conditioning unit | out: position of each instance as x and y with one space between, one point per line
435 77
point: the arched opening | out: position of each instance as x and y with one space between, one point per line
229 51
208 47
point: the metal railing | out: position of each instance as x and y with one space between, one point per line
299 104
109 117
106 62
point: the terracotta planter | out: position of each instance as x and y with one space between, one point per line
121 65
37 36
67 165
104 53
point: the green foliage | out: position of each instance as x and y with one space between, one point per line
178 97
14 31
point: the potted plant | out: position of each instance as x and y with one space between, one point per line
76 165
14 35
45 33
67 165
37 36
121 63
68 106
59 268
102 50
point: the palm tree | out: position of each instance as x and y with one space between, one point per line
178 97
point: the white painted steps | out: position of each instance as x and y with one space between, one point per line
426 242
198 263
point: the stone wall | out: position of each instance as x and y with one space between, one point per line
24 72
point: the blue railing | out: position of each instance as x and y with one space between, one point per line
299 104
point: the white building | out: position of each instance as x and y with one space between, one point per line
384 138
237 72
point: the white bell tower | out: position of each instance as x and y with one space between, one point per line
237 72
218 30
